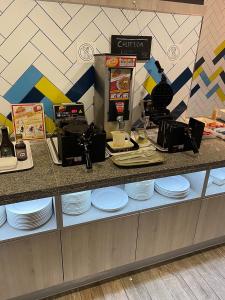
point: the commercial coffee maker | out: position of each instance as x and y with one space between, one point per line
114 76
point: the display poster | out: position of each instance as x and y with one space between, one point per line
120 81
28 120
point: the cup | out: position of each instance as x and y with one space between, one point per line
119 138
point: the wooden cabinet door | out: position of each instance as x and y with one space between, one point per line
167 229
96 247
211 222
30 264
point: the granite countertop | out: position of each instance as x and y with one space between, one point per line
47 179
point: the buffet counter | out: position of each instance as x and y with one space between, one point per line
68 250
47 179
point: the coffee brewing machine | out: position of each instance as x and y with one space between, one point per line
114 75
77 142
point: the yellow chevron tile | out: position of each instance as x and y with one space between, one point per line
6 122
220 48
149 84
197 72
49 125
220 94
216 74
51 91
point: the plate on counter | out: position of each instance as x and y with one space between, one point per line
109 199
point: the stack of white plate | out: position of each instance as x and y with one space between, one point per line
218 176
140 190
109 199
173 187
76 203
29 214
2 215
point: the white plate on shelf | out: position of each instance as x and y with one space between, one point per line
29 207
176 184
109 199
171 195
2 215
218 176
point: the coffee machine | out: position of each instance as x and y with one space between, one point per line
77 141
114 75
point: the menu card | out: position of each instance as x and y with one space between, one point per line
28 120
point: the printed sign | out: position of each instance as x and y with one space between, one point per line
28 120
131 45
120 61
120 81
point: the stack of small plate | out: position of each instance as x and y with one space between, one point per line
173 187
29 214
109 199
76 203
2 215
218 176
140 190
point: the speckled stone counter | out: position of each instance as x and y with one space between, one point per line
47 179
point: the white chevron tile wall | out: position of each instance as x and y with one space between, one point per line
45 35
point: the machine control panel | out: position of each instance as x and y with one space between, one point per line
68 111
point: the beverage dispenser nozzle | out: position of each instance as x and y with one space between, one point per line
121 123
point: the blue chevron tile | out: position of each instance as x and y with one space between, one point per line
48 107
179 110
34 96
23 85
212 91
82 85
152 69
205 78
181 80
194 90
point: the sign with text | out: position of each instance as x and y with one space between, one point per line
131 45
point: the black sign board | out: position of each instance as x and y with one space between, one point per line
200 2
131 45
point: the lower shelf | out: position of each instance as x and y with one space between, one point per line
214 189
156 201
7 232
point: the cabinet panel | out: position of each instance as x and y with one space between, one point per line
96 247
211 222
167 229
30 264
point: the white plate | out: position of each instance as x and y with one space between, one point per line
173 183
22 219
30 225
176 196
218 176
169 192
109 199
29 207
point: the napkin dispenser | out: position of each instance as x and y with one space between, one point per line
177 136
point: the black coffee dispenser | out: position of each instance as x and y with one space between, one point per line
80 143
77 142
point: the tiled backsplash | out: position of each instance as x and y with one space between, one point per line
208 88
38 44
